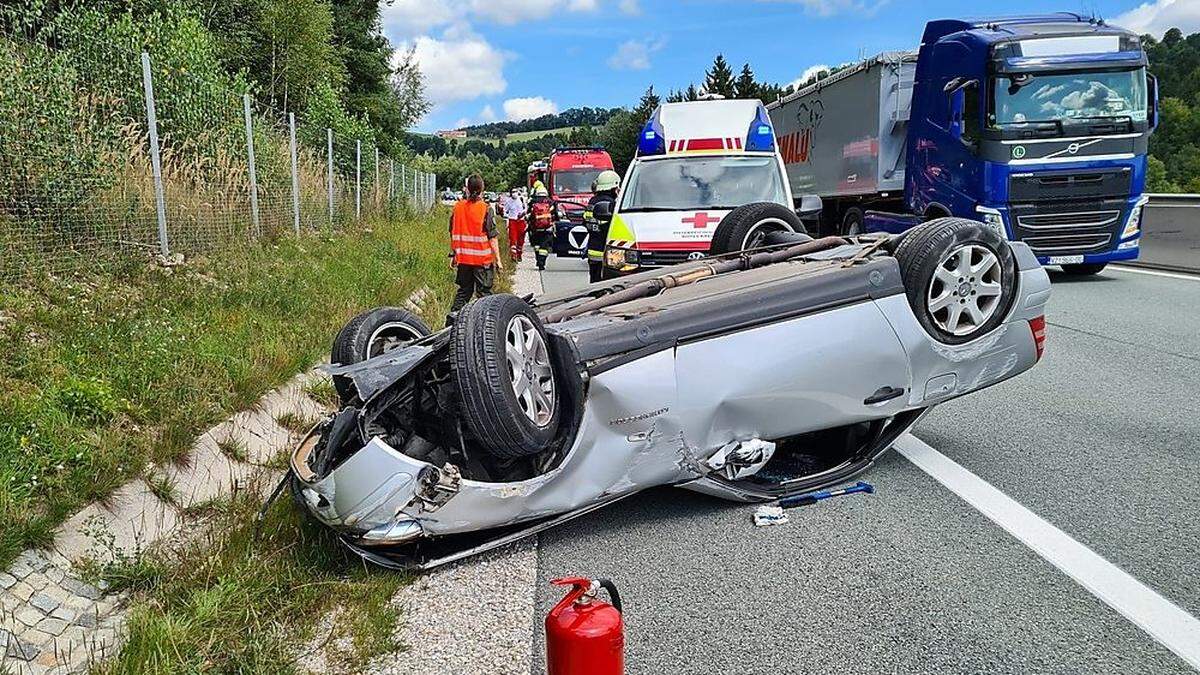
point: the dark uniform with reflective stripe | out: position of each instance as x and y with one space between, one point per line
597 232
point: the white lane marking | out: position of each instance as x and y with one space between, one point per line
1153 273
1165 621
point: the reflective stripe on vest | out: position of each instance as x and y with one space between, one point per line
467 237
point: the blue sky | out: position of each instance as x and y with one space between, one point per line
487 60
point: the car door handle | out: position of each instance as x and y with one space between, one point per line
883 394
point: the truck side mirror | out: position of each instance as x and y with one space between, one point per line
1152 101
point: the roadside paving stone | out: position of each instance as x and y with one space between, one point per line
65 614
9 603
21 591
81 588
20 650
28 616
86 620
134 517
34 559
20 569
52 626
7 580
257 432
37 581
44 602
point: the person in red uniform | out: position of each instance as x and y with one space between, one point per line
514 213
474 251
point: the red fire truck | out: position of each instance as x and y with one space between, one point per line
571 173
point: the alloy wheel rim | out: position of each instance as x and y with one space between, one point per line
965 290
390 336
529 370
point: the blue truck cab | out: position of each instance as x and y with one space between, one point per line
1035 125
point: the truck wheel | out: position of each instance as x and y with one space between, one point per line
960 277
374 332
1083 269
746 226
852 222
506 386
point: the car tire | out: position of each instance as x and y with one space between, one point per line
960 277
1083 269
853 222
745 226
374 332
509 416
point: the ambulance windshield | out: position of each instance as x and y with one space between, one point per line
702 182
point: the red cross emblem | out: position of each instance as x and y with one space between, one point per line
701 220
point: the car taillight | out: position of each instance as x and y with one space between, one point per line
1038 326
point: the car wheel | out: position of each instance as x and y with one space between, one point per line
960 277
852 222
1083 269
374 332
746 226
506 386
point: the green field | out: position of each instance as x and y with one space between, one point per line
523 135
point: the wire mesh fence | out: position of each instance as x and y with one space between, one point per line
108 151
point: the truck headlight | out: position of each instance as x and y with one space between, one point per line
993 219
620 258
1134 224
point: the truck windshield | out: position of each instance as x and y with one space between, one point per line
702 182
574 181
1063 97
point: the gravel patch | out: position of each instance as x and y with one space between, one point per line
474 616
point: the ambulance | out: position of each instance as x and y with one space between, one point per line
695 162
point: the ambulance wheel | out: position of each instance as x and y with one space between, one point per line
374 332
747 226
507 393
960 277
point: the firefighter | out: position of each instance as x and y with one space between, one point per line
474 251
541 223
514 213
605 189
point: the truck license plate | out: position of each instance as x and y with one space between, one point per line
1066 259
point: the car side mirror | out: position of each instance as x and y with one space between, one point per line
810 207
602 211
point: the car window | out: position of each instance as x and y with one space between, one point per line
703 182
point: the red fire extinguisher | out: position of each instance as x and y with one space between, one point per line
584 635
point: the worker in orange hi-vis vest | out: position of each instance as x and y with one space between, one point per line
474 251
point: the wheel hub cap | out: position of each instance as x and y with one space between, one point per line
965 291
529 370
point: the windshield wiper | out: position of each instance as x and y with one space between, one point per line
650 209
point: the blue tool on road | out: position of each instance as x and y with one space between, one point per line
816 496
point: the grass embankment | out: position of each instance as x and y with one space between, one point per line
103 374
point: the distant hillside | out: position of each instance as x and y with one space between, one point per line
563 121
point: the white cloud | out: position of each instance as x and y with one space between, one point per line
516 109
831 7
1159 16
458 66
405 19
634 54
462 122
488 114
808 72
630 7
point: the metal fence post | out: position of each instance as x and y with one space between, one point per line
391 180
375 183
295 174
357 179
329 152
155 159
402 183
253 172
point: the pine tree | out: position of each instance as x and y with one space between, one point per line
646 107
719 78
675 96
691 94
746 86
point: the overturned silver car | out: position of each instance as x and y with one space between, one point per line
749 376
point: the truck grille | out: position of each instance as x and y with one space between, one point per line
1077 219
1069 212
659 258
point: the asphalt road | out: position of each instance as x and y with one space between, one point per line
1100 440
1171 235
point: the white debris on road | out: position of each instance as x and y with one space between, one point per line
769 515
